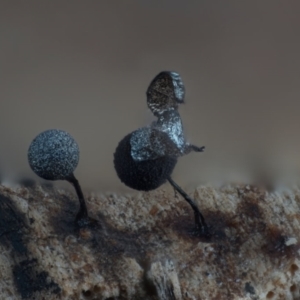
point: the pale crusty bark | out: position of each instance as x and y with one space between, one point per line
141 247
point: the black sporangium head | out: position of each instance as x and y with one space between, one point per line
145 158
143 174
54 155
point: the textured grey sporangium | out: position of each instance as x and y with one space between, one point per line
53 154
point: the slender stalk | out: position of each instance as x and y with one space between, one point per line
200 224
82 216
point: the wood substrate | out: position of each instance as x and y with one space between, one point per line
142 247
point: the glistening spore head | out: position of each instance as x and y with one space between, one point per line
53 155
165 92
149 143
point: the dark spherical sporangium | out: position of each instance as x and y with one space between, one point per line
53 154
143 175
145 158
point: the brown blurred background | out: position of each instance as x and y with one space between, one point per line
84 66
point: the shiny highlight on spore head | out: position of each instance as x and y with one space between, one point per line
165 92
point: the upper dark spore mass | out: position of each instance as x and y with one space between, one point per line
142 175
53 155
165 92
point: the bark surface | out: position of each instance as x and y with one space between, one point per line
142 248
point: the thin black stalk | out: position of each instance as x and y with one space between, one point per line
82 215
200 224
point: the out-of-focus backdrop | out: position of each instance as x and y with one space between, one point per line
84 66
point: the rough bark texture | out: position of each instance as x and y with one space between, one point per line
142 247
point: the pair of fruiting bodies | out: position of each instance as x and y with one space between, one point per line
143 160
